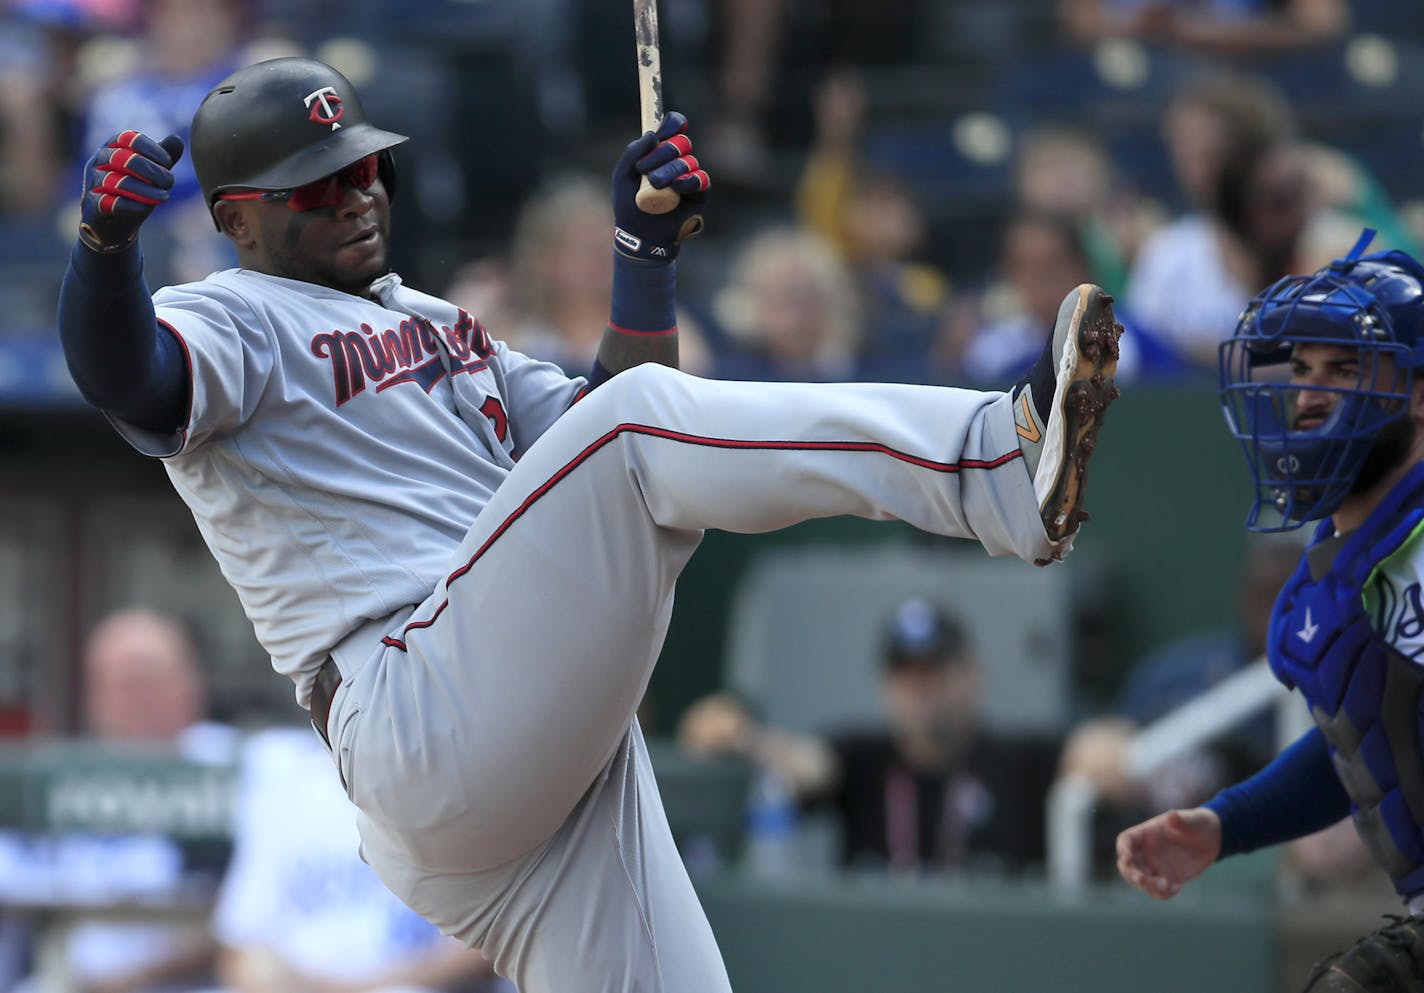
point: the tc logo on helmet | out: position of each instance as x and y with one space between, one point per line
325 106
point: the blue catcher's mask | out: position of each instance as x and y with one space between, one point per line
1372 306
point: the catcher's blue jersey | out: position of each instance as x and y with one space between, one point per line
1345 632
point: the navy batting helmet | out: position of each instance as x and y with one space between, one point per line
280 124
1371 304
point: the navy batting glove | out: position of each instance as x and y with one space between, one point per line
665 157
123 182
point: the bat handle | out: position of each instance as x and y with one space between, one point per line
651 200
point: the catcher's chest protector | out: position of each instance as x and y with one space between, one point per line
1364 694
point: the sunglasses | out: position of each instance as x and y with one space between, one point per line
328 191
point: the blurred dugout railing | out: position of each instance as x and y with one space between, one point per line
1198 722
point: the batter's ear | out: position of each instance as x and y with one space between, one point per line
233 222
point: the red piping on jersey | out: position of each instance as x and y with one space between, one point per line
692 439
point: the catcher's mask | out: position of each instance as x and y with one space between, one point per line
281 124
1371 304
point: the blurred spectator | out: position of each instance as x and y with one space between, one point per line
142 687
934 790
561 274
870 217
300 912
43 92
142 683
1261 204
1173 675
1348 197
1234 28
31 113
1210 118
185 48
789 308
1232 156
1044 255
749 35
551 301
1064 170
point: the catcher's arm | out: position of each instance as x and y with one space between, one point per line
1297 794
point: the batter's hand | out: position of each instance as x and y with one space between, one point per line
123 182
665 157
1159 855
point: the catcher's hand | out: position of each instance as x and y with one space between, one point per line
1159 855
1389 960
123 182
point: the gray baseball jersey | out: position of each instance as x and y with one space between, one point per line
492 568
337 448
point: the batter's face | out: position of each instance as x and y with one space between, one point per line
343 246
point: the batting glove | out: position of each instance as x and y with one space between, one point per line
123 182
665 157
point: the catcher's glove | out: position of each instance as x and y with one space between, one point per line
1389 960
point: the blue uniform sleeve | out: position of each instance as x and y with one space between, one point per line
1297 794
123 361
644 305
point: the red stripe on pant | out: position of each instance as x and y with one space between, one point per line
692 439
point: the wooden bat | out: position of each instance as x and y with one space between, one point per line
650 200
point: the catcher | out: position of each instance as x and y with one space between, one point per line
1337 440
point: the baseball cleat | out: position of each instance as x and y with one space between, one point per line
1059 407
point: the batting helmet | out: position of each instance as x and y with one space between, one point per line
280 124
1371 304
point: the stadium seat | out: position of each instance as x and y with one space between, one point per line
805 625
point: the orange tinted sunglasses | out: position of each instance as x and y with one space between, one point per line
328 191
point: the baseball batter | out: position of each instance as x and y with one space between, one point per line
465 559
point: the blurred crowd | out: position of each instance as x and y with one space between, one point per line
903 191
288 906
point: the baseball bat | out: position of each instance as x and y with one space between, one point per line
650 200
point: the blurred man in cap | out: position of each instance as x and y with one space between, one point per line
932 789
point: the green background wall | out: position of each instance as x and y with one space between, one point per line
1168 491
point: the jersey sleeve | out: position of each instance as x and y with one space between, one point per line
537 394
1298 794
229 358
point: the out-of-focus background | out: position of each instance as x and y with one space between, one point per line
892 763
